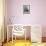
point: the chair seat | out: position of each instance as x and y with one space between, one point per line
18 33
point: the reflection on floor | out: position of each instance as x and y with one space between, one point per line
23 43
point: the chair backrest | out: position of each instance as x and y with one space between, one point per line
18 30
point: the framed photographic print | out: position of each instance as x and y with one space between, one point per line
26 9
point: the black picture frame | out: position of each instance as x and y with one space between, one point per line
26 9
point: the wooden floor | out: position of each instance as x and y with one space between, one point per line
18 43
23 43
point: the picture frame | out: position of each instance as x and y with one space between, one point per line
26 9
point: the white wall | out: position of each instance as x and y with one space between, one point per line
36 16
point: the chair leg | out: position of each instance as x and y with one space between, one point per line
15 38
12 36
25 36
2 44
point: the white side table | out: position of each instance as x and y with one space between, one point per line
36 33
